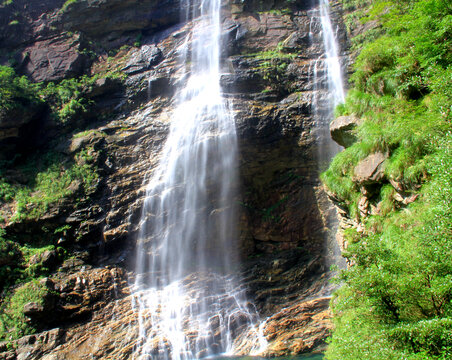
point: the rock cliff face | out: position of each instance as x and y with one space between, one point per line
270 49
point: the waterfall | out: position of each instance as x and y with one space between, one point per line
335 82
328 87
189 305
328 92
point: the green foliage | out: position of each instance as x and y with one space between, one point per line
16 265
13 323
138 40
415 50
354 4
69 99
356 14
67 4
7 191
425 337
51 178
278 53
62 229
10 260
365 38
273 65
339 176
6 2
277 12
396 298
52 181
15 92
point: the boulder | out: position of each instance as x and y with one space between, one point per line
371 169
143 59
33 309
53 59
343 128
47 258
100 18
34 346
90 139
104 86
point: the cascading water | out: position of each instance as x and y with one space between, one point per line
328 86
335 82
328 92
188 304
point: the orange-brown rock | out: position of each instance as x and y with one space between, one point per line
300 328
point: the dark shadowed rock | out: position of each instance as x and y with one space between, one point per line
14 122
32 21
32 309
98 18
105 86
47 258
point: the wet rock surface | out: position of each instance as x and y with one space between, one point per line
284 217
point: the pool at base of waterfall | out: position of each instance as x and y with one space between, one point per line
315 356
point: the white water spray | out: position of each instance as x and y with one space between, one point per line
328 92
188 304
335 82
328 86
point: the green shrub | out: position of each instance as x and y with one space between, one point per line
67 4
396 298
10 259
427 337
273 65
52 178
69 98
15 92
53 181
13 323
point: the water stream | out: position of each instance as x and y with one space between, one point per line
189 304
328 85
328 92
335 81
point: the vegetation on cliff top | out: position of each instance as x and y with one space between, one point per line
396 299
